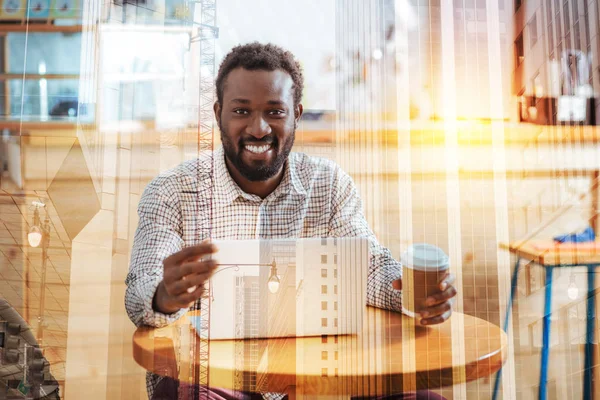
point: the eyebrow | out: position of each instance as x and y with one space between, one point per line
242 101
276 102
270 102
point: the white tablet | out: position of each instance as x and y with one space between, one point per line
288 287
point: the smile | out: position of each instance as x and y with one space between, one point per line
257 149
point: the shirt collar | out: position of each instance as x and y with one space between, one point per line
291 182
227 191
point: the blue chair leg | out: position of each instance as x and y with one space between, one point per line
589 334
543 390
513 288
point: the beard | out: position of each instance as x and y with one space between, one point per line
263 171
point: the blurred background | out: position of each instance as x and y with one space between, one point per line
464 123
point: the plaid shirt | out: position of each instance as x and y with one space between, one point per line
315 198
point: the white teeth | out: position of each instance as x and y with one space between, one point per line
258 149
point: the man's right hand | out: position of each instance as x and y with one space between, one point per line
184 275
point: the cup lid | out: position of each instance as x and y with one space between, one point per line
424 256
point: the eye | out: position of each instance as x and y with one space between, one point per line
277 112
241 111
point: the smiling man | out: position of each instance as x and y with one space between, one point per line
252 187
257 112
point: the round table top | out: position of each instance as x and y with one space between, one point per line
390 355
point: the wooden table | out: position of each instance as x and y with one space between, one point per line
551 255
389 354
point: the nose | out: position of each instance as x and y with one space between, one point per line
258 127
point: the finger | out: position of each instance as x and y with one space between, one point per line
434 311
203 248
190 281
446 281
188 299
196 267
437 320
173 275
441 297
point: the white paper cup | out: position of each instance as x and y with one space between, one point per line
423 267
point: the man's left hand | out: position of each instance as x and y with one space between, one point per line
438 307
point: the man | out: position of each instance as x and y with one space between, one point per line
254 188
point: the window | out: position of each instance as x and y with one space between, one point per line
550 18
51 91
335 322
323 272
550 34
336 356
470 15
335 339
576 31
324 355
323 289
577 35
324 305
519 50
335 259
559 35
586 21
324 322
533 32
323 241
335 273
538 89
336 372
324 339
335 306
334 289
139 84
567 40
523 115
324 372
323 258
481 14
566 15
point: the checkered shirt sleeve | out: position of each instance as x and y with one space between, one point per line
348 220
159 234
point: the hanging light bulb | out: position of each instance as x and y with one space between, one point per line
273 282
35 236
572 290
35 232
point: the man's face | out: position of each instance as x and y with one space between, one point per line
257 121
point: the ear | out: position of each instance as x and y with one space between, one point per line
298 110
217 110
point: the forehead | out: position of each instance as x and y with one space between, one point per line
258 85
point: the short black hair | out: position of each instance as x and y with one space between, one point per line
258 56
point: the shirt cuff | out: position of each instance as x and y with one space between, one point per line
393 296
380 291
155 318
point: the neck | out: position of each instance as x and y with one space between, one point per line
259 188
